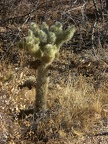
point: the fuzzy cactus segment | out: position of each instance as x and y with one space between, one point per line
49 53
57 28
44 27
34 28
51 38
42 36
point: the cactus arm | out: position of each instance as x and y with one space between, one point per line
65 36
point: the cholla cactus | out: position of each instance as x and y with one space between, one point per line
44 43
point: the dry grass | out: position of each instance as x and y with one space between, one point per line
76 109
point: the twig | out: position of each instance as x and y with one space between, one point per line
101 134
82 10
107 5
96 9
93 31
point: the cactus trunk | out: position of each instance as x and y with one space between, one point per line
42 88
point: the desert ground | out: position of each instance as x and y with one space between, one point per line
77 97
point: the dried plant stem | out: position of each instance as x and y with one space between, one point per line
42 88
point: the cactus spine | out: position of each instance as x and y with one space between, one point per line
44 43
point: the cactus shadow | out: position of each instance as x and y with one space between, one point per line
26 112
